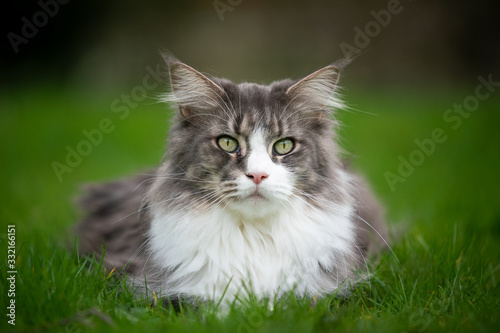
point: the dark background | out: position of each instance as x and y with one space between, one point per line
106 45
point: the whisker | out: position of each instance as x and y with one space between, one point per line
353 214
145 207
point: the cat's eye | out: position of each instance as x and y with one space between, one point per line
228 144
283 146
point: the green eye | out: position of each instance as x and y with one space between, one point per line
228 144
283 146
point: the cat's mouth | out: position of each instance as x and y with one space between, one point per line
256 196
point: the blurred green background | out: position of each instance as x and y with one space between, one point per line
67 65
91 61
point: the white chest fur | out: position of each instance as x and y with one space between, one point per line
293 248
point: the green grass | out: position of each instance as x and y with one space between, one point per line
445 277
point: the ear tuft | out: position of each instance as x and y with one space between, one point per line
191 90
318 89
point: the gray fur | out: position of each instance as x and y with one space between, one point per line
197 173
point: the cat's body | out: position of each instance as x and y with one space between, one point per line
252 196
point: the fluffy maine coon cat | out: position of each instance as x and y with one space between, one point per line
252 196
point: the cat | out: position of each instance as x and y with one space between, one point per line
252 196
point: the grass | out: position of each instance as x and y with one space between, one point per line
445 277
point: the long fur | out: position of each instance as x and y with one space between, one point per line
200 225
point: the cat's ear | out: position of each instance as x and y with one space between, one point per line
191 90
317 90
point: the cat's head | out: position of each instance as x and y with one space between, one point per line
250 148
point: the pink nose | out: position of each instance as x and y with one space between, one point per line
257 177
